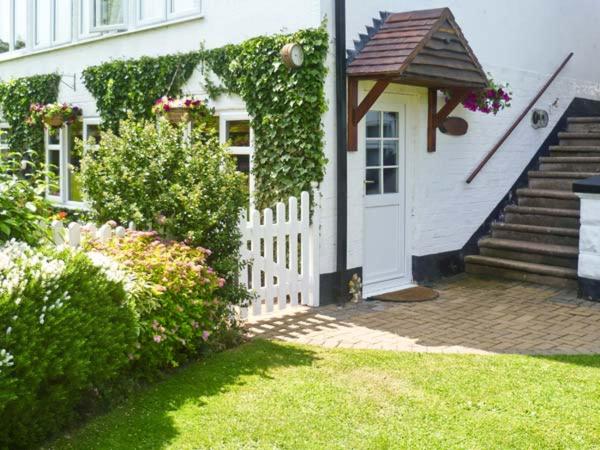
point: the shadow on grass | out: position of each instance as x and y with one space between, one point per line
145 421
592 361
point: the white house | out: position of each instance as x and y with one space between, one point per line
391 210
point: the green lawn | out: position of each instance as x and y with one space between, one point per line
271 395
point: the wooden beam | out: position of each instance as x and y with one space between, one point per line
352 123
431 119
457 96
370 99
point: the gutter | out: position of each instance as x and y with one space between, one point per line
342 136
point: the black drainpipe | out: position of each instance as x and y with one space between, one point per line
342 158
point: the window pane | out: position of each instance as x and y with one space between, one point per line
372 181
84 17
152 9
238 133
42 23
93 132
4 25
54 168
4 137
20 24
390 125
373 153
373 124
108 12
178 6
76 133
54 138
243 163
390 153
390 181
62 20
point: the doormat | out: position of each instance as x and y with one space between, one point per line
416 294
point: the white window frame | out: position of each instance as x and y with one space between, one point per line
12 27
225 117
3 127
96 121
53 41
179 15
63 176
144 22
95 9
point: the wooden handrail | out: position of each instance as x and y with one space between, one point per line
518 121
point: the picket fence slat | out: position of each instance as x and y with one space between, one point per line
282 256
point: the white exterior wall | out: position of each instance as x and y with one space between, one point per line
589 237
518 42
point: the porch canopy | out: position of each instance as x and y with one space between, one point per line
421 48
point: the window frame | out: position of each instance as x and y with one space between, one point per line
53 42
179 15
145 22
95 10
233 116
4 147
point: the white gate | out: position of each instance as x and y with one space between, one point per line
282 254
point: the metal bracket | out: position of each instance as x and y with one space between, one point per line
73 87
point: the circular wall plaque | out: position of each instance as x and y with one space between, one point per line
292 55
454 126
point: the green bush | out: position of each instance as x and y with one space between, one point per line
177 305
187 188
66 330
23 207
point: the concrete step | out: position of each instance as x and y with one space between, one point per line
534 233
568 138
570 164
533 252
546 198
546 217
575 150
583 124
518 270
561 181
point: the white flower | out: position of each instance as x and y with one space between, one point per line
6 359
8 330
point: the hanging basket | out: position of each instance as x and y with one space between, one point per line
177 115
54 121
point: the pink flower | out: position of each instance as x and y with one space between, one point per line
157 339
205 335
221 282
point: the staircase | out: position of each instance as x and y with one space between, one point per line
539 238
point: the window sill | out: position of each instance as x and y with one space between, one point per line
21 54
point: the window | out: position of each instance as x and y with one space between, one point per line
234 129
152 11
53 24
382 153
64 163
20 24
108 14
5 7
4 133
183 7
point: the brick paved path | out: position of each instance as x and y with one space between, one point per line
472 315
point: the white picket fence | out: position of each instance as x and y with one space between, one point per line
282 254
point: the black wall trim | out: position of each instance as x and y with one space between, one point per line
589 289
588 186
334 286
432 267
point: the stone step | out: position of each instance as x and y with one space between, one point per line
568 138
518 270
562 181
570 164
546 198
533 252
574 150
583 124
547 217
534 233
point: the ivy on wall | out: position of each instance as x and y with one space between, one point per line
16 96
132 86
286 106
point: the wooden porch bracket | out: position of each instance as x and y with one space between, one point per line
435 117
356 112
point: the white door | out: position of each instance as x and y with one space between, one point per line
384 142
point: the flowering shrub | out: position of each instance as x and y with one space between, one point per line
188 189
53 114
23 207
66 329
178 306
492 99
190 105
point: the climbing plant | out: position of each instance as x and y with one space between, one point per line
132 86
16 96
286 106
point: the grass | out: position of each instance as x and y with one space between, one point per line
272 395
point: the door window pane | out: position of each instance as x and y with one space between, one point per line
108 12
372 182
390 125
390 181
238 133
373 153
74 168
243 163
152 9
93 132
4 25
20 24
180 6
373 124
54 169
390 153
42 22
62 20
